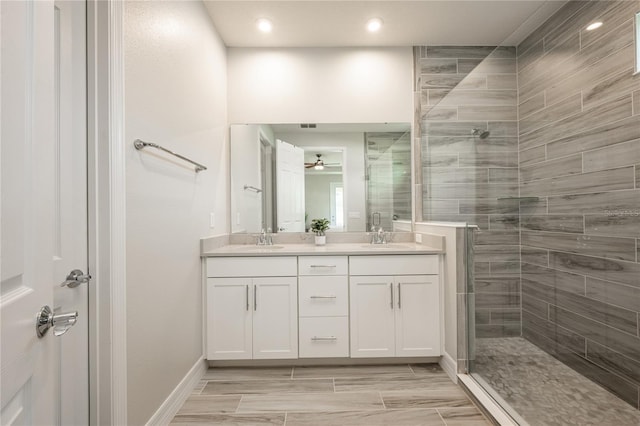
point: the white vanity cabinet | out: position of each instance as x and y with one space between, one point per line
323 303
252 308
394 304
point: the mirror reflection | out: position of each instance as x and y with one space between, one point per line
285 175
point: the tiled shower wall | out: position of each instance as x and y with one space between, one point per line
469 179
579 132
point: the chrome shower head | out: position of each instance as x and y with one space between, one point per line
483 134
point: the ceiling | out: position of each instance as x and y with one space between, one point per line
406 23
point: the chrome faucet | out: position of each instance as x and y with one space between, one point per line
378 236
265 238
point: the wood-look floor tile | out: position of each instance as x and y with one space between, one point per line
247 387
427 369
305 402
461 415
422 417
229 419
224 373
393 383
202 404
198 388
351 371
448 397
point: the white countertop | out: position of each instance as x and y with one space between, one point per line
326 250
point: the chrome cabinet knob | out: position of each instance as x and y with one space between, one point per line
61 323
75 278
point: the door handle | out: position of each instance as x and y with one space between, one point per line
391 293
75 278
255 297
61 323
399 295
247 295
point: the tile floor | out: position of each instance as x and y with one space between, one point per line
543 390
345 395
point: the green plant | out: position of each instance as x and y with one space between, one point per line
318 226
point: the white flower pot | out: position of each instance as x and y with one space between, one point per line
321 240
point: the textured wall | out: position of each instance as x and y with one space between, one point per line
175 80
580 155
469 179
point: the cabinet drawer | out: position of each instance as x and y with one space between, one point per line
323 296
284 266
394 265
322 265
324 337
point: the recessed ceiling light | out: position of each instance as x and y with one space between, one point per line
594 25
264 25
374 25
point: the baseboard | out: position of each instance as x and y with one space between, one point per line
450 366
174 401
306 362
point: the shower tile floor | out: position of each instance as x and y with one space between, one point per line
545 391
391 395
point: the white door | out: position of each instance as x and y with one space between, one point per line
290 187
229 313
275 318
417 315
28 363
372 316
70 207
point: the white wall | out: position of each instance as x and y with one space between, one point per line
353 170
317 191
321 85
175 95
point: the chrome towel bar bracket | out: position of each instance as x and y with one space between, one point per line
140 144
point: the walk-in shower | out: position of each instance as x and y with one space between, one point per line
551 181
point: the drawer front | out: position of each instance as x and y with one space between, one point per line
324 337
394 265
323 265
323 296
285 266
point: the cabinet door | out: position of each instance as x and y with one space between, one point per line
229 318
417 315
372 316
275 318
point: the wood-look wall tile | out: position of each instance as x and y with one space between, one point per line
473 81
487 66
606 180
440 160
470 144
586 120
534 256
497 330
531 105
613 316
460 128
603 91
614 293
466 66
541 325
597 267
617 225
534 206
613 361
509 237
502 316
479 190
499 268
435 96
503 175
497 222
441 81
591 75
438 66
482 221
489 207
481 112
617 16
553 223
533 155
566 281
573 25
595 203
636 102
440 175
494 159
478 97
503 128
439 113
532 54
535 307
496 284
617 340
502 81
434 207
480 52
553 168
551 113
589 245
622 154
601 136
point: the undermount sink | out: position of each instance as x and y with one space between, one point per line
385 246
256 247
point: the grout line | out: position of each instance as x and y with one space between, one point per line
440 414
285 418
239 402
292 372
384 406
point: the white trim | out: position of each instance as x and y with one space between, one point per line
107 213
487 402
179 395
450 366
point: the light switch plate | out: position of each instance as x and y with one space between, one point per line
418 238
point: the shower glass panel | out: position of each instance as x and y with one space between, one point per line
537 143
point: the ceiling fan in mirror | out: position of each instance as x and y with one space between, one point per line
319 164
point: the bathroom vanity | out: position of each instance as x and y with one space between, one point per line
299 301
